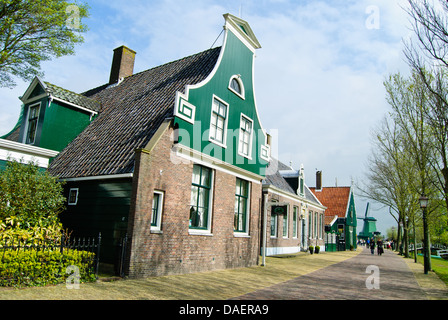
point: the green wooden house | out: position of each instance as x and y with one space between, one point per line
340 217
50 118
172 157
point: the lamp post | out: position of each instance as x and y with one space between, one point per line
426 249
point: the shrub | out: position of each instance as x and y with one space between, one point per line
31 267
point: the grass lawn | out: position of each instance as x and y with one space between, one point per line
439 266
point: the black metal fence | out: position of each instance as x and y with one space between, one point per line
92 245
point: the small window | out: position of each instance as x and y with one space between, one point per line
218 124
236 86
33 119
157 207
285 225
273 225
245 139
241 206
294 222
200 198
73 197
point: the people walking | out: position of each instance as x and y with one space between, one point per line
372 246
380 247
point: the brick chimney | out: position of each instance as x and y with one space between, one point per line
318 180
122 64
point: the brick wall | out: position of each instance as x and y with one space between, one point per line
174 250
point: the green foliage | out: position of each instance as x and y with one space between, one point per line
30 201
35 31
30 267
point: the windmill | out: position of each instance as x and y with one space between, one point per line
369 228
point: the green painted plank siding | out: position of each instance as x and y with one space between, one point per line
237 59
102 206
61 125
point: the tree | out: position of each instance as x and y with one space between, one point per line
390 175
30 201
428 58
35 31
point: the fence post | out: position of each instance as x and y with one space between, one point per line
98 255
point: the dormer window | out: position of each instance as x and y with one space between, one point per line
33 119
236 86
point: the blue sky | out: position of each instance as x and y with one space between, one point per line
318 76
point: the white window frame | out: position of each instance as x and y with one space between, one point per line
246 233
69 196
27 123
273 236
226 120
207 231
240 152
295 219
158 226
285 226
237 77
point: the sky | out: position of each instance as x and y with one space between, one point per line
318 76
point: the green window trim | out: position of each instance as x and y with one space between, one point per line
200 198
241 206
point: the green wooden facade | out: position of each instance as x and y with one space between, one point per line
59 121
341 233
99 205
194 109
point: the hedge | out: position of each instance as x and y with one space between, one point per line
24 268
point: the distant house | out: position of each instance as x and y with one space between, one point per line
294 216
171 158
340 216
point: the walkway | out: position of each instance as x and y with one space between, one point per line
350 279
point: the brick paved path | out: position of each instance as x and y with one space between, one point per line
347 280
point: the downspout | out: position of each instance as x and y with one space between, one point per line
265 217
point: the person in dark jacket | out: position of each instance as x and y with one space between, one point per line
372 246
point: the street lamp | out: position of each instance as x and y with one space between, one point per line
426 249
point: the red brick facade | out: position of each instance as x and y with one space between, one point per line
174 249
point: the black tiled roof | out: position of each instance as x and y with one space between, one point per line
131 113
277 180
72 97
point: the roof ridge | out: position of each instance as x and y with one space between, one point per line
104 86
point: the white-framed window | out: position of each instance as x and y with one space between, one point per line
285 224
236 86
242 206
245 138
218 121
274 225
32 123
157 210
295 224
201 199
73 196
